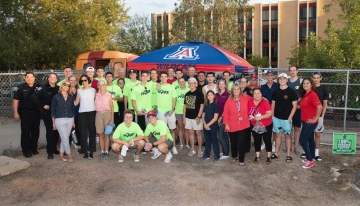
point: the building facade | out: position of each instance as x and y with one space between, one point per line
274 29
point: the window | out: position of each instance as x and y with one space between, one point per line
248 52
302 34
249 20
274 66
274 53
265 36
312 14
302 15
274 16
249 36
265 17
265 51
274 35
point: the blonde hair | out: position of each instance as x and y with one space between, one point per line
232 90
76 85
62 84
222 80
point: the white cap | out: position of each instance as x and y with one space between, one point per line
283 75
90 69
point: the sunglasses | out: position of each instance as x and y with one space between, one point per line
66 85
83 80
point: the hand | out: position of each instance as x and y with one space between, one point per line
227 128
140 113
251 117
111 122
47 107
312 121
197 120
73 125
289 120
16 116
127 144
170 113
148 147
131 143
219 122
54 127
258 118
207 127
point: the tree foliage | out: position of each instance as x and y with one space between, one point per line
212 21
40 34
258 61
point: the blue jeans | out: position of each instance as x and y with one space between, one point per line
211 138
307 140
224 140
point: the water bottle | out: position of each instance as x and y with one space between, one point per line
74 137
143 110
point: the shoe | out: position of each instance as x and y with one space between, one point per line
309 164
86 156
200 153
56 152
318 158
216 159
102 155
174 150
34 152
73 144
143 151
257 160
50 156
107 155
91 156
268 160
168 157
136 158
181 147
224 157
28 155
221 154
157 153
191 152
205 158
120 158
188 147
305 161
71 160
303 156
64 160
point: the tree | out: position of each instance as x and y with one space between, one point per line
213 21
136 36
41 34
258 61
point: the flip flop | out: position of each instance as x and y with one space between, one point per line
288 159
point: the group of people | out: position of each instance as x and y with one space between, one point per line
158 111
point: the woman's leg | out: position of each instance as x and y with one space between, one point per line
257 143
242 144
92 132
267 139
224 140
307 131
234 144
215 143
207 134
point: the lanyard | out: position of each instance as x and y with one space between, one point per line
237 103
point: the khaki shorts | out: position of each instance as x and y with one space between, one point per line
191 124
102 119
170 121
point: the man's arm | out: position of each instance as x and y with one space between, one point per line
15 108
325 105
125 102
201 110
294 103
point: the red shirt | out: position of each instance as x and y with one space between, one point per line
308 106
264 106
237 120
94 83
170 81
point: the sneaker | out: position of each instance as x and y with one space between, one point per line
120 158
200 153
221 154
305 161
27 154
181 147
303 156
157 153
174 150
188 147
309 164
143 151
205 158
34 152
73 144
168 157
136 158
191 152
102 155
224 157
50 156
86 156
91 156
216 159
318 158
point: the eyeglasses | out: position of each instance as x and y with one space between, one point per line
83 80
66 85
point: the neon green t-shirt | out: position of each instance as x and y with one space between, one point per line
142 96
177 86
126 134
115 90
154 95
116 80
165 96
179 108
128 92
158 130
59 83
103 78
229 86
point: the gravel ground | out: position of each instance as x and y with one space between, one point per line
185 181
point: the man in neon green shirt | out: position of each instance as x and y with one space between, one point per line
141 99
154 79
122 74
161 140
166 101
179 110
179 74
227 77
129 86
67 73
128 134
100 72
117 95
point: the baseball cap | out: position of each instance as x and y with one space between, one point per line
90 69
270 72
151 113
254 76
132 71
283 75
109 129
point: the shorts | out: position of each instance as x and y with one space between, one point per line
179 117
170 121
296 120
191 124
320 126
167 142
102 120
281 126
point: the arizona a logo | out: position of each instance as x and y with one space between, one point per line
184 52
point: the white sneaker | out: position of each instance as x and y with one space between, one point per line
181 147
191 152
136 158
221 154
121 158
174 150
157 153
224 157
168 157
200 153
188 147
72 142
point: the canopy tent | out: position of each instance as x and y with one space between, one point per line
203 56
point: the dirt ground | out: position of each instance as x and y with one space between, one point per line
185 181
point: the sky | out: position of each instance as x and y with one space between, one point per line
159 6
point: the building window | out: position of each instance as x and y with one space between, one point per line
265 36
302 15
249 20
248 52
274 16
241 53
302 34
312 14
274 66
312 29
274 35
249 36
274 53
265 17
265 51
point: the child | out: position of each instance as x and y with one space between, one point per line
209 118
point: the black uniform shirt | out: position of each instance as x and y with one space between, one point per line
23 94
44 95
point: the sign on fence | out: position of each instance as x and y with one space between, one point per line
344 143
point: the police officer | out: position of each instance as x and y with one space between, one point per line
28 114
42 98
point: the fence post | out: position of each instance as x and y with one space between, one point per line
346 99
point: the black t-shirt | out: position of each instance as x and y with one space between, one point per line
283 102
248 91
322 93
192 101
199 87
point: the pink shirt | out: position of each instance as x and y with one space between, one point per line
102 102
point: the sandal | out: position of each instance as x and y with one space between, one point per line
242 164
233 160
288 159
268 160
257 160
274 156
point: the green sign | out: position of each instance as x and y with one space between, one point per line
344 143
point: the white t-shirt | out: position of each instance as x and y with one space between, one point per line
214 90
87 100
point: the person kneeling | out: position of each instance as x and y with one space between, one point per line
128 135
161 141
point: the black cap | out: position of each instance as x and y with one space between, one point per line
132 71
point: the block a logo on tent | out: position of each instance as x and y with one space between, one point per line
184 53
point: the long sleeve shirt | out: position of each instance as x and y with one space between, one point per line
237 120
62 108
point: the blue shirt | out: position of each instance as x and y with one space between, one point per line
61 108
266 91
210 111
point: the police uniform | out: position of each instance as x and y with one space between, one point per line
29 118
41 97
